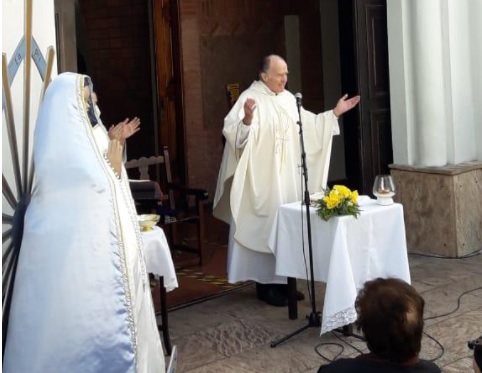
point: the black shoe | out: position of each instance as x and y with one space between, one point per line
276 298
299 296
284 290
262 291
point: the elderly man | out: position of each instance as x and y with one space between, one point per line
260 171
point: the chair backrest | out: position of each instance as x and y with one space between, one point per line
143 163
155 168
232 93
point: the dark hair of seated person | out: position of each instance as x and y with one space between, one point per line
390 315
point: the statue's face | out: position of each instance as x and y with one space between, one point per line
86 94
94 98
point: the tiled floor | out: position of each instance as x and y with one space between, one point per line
197 282
232 333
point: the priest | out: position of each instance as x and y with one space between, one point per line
260 171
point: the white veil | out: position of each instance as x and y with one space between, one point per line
81 300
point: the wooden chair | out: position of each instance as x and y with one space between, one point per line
147 193
179 205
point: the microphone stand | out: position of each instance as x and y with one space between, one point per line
314 317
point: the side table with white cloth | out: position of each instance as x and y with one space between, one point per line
159 263
347 252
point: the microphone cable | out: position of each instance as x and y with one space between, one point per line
446 314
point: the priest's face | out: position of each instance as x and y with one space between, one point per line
277 75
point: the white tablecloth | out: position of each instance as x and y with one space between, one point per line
347 252
158 257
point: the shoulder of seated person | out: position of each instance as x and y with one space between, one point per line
429 366
340 366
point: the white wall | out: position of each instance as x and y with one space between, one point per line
43 28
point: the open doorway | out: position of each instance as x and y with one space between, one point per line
113 42
133 52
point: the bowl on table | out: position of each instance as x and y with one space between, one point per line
147 221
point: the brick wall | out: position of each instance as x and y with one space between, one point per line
221 43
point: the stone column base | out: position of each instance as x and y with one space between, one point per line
442 207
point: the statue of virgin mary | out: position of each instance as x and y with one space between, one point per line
81 301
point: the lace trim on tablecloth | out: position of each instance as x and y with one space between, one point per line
339 319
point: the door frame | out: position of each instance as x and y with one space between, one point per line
167 91
368 142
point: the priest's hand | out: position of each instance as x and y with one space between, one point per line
249 107
344 104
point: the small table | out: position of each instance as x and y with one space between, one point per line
159 263
347 252
158 257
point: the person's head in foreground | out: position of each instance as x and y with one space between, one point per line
476 345
390 314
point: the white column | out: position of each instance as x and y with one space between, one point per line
461 70
475 31
435 86
429 100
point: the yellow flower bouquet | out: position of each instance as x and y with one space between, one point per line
336 202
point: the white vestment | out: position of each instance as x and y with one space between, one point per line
81 301
263 172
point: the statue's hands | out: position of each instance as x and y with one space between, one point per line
116 131
132 127
114 155
125 129
344 104
249 107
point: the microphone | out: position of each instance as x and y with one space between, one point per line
298 97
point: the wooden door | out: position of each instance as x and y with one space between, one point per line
167 79
364 55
